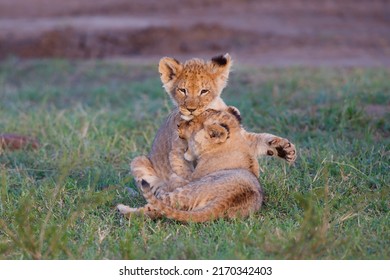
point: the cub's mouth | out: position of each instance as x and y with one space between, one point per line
187 117
187 114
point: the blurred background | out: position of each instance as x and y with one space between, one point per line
69 127
268 32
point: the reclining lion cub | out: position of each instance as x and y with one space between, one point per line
194 87
224 182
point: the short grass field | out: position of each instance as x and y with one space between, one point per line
93 117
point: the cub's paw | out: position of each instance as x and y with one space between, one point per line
125 210
141 168
282 148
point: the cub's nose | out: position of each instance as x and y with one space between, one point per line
191 110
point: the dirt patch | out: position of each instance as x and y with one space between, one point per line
17 142
280 32
73 43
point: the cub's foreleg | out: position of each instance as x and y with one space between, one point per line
182 169
267 144
179 165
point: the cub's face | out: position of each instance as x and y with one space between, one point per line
194 85
207 131
194 93
204 140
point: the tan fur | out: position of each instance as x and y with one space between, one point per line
194 76
193 86
224 183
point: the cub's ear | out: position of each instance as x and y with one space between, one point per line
169 68
235 112
222 60
220 65
218 133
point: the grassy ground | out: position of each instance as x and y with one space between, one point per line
92 118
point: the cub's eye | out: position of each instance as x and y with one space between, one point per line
183 91
204 91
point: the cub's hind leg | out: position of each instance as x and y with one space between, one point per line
194 195
142 169
180 198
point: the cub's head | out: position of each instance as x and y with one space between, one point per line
209 131
194 84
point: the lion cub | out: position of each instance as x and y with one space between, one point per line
224 182
194 86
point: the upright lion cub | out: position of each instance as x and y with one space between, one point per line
224 183
194 86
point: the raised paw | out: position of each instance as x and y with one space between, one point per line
282 148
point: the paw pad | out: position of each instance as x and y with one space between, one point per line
284 149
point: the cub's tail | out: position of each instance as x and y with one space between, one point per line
207 213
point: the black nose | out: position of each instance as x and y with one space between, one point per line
191 110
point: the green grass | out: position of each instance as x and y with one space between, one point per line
93 117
